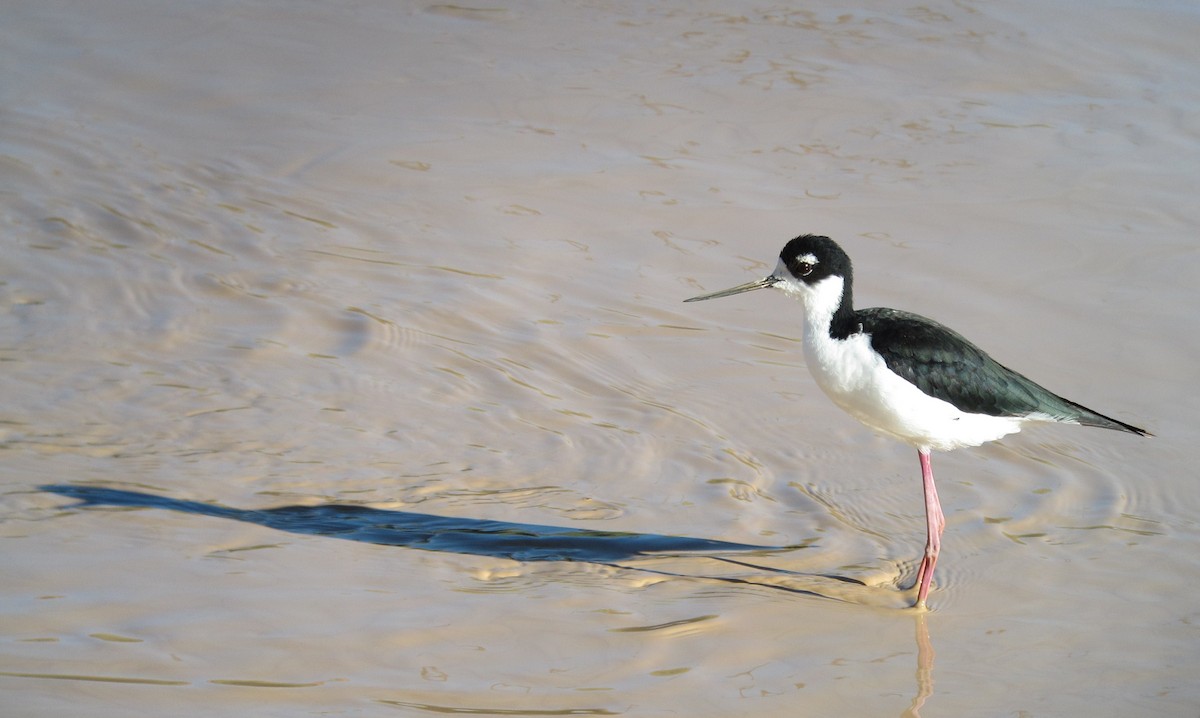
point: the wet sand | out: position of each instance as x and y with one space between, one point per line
347 370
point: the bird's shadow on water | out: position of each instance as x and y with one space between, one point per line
505 539
534 542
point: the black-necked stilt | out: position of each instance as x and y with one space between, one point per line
907 376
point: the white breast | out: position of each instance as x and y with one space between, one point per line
858 380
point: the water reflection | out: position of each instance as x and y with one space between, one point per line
924 667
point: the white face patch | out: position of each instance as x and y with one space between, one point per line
809 259
820 300
786 281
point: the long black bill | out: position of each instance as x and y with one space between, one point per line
763 283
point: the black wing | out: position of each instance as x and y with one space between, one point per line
943 364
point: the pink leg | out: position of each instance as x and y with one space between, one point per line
934 523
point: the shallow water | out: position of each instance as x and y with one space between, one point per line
346 372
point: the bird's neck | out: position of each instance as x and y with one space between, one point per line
829 308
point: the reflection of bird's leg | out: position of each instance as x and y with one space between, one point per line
935 521
924 669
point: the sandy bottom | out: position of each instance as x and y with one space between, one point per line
346 370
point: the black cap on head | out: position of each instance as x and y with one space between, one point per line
811 258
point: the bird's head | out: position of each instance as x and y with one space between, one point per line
805 264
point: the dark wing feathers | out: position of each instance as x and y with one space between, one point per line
943 364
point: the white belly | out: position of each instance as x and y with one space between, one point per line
858 380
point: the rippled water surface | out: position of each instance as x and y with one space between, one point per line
345 369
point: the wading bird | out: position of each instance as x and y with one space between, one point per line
907 376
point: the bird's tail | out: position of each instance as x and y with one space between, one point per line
1087 417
